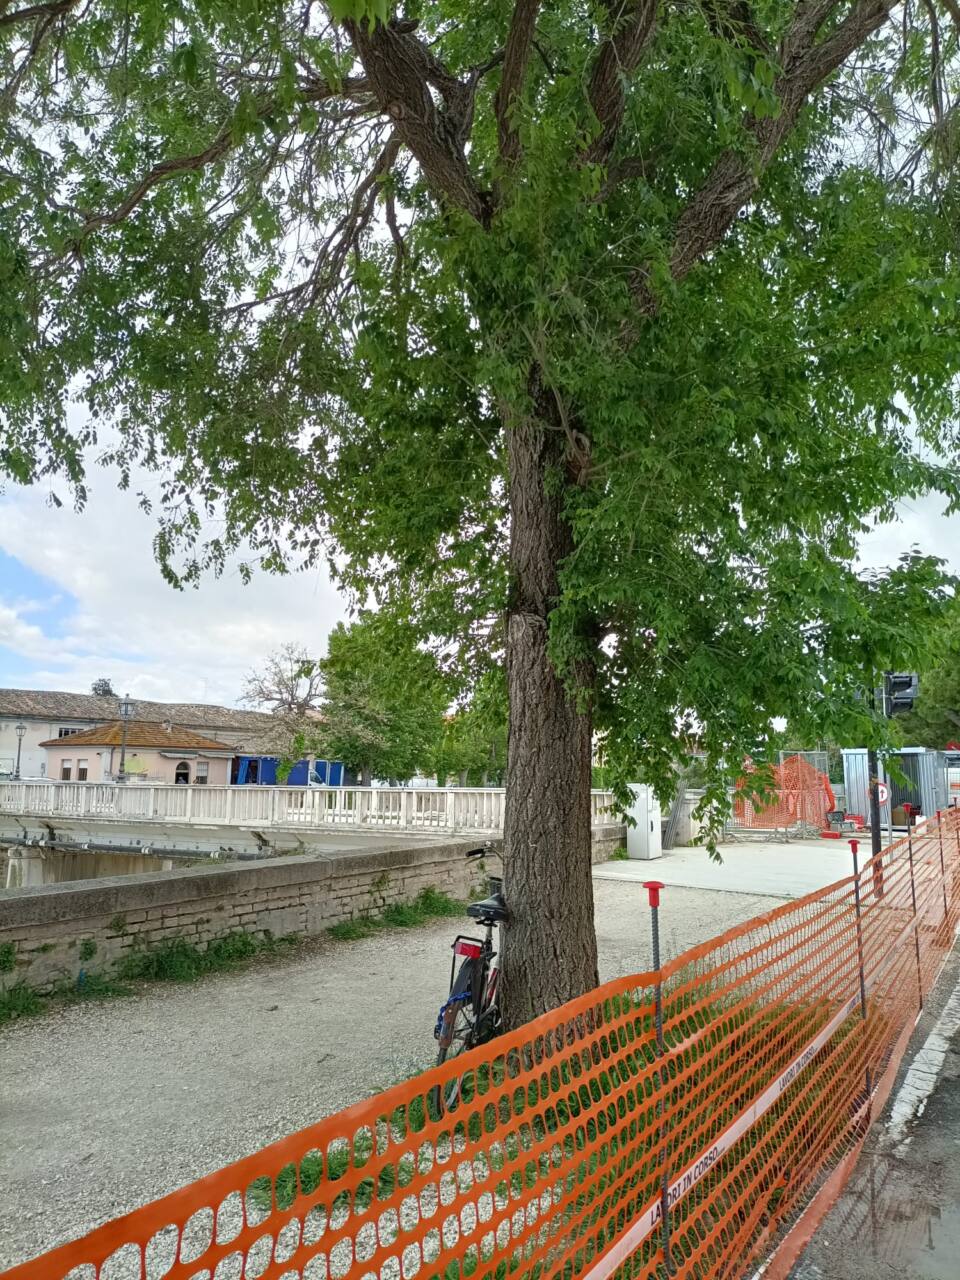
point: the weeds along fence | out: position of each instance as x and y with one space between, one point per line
580 1145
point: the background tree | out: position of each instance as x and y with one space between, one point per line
102 688
383 701
289 684
935 719
473 744
600 319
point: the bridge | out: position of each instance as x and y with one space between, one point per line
446 809
44 823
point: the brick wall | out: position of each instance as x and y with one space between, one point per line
57 930
53 927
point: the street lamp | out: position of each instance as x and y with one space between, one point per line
126 715
20 730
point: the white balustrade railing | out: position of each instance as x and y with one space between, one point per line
477 809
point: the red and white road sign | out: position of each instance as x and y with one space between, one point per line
883 792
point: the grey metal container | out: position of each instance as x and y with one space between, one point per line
926 789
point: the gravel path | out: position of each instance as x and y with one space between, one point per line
105 1106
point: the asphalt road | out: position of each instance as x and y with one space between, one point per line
106 1106
899 1215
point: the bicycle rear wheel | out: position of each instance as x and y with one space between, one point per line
458 1027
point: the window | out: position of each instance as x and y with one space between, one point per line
182 773
65 770
82 770
201 773
66 733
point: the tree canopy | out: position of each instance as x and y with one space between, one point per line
103 688
935 718
383 701
472 747
615 320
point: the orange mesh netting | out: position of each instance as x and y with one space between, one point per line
557 1141
798 795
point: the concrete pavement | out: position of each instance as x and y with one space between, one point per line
782 869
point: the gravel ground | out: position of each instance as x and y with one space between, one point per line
106 1106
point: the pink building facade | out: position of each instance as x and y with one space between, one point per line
154 753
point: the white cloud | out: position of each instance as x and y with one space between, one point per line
127 623
22 637
922 523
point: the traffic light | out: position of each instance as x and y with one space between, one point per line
901 692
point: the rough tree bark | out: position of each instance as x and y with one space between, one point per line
549 944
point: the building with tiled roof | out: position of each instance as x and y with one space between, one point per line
151 752
47 713
141 733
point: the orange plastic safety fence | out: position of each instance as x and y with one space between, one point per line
798 796
552 1151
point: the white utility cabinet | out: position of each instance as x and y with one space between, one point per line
645 839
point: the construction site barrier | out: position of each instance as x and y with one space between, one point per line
797 797
584 1144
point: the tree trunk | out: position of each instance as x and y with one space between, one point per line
549 943
366 777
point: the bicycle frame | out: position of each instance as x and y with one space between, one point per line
467 947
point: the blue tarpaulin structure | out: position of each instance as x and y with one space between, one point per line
262 771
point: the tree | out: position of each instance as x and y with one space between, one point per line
289 683
102 688
610 322
935 718
383 700
473 744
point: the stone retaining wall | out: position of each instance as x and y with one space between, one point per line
49 933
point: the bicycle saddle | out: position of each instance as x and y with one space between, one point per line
493 908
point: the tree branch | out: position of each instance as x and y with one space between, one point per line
627 169
516 56
12 87
735 176
734 21
400 71
632 23
224 141
52 10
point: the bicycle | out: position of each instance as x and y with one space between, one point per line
470 1015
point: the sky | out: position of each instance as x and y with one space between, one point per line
81 597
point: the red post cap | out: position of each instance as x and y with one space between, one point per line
653 888
854 845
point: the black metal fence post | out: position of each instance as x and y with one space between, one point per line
854 846
913 899
653 888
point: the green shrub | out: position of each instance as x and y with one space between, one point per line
91 986
352 930
19 1001
8 957
180 961
429 904
88 949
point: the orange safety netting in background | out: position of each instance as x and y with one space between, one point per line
580 1144
798 795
